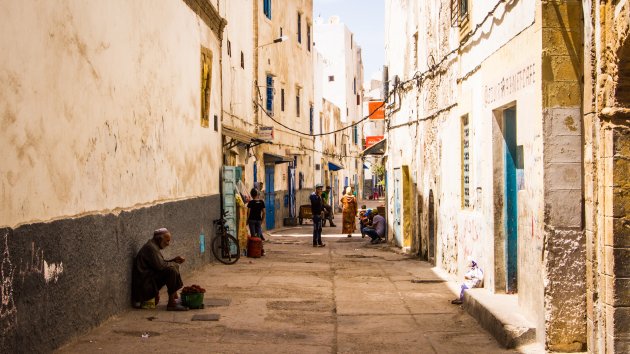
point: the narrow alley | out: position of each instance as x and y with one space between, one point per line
482 146
347 297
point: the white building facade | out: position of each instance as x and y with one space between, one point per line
342 87
483 153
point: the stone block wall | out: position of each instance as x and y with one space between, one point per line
607 174
564 242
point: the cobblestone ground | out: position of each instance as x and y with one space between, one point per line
348 297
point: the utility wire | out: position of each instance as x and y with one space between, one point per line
327 133
419 77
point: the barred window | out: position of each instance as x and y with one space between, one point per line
459 12
465 162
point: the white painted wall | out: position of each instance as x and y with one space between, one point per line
344 64
433 146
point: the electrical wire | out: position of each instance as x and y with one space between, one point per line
419 77
321 134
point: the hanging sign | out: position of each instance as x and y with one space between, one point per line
265 133
376 109
371 140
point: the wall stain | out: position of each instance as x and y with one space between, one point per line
75 44
570 123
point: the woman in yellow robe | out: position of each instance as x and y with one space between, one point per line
242 222
349 212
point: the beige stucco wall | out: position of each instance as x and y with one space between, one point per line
291 64
103 97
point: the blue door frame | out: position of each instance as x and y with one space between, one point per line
398 206
270 197
292 207
511 199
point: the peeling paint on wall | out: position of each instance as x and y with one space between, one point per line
52 271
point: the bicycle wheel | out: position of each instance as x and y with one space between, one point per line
226 250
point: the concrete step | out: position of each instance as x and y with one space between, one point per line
498 314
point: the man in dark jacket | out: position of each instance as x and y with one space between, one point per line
151 272
317 208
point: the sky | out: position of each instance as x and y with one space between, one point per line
366 19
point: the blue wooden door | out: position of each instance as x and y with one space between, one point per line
229 200
398 206
511 199
292 207
270 197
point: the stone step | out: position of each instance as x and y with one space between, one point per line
498 314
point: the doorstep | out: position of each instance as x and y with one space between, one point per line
496 313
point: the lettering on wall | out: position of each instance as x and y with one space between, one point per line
509 84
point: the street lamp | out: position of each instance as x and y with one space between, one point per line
277 40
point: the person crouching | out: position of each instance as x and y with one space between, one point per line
151 272
376 230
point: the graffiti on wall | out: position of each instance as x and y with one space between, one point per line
10 272
8 311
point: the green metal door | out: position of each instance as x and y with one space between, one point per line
229 198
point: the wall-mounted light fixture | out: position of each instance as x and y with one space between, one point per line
277 40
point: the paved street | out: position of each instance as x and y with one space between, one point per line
349 297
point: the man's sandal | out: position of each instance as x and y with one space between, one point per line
176 307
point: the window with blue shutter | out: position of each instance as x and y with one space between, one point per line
270 94
267 8
356 135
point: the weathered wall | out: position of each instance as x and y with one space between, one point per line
102 143
564 246
525 56
63 277
72 122
606 126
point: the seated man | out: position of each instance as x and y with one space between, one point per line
472 279
377 230
151 272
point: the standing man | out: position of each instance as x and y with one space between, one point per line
328 211
317 207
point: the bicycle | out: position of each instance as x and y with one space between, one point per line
225 247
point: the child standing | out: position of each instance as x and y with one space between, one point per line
255 214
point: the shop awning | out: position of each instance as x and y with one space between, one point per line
334 167
273 158
376 149
239 136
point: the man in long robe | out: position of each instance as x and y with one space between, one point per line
151 272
